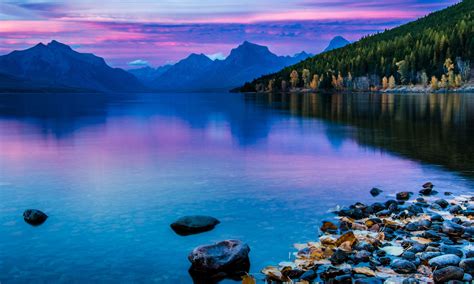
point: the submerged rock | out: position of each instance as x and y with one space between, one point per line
448 273
190 225
34 217
229 256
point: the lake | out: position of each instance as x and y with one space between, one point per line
113 171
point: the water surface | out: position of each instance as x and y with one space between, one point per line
113 172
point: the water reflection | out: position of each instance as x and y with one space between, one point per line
432 128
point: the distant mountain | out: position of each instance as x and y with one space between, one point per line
199 73
58 66
148 74
185 75
336 43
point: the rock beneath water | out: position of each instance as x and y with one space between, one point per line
404 195
190 225
452 228
34 217
448 273
444 260
468 265
375 191
229 258
403 266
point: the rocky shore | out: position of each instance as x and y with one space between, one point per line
410 239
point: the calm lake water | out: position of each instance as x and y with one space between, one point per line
113 172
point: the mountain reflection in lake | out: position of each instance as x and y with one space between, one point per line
112 172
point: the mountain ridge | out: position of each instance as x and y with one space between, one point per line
57 65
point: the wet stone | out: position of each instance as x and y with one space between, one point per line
328 227
339 257
447 249
226 256
408 255
189 225
403 266
342 279
362 256
375 191
34 217
452 228
432 235
444 260
426 191
448 273
467 277
385 260
425 256
410 281
456 209
372 280
404 195
436 218
309 275
442 203
468 265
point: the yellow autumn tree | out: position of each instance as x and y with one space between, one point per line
434 83
384 83
315 82
458 81
294 78
443 82
391 82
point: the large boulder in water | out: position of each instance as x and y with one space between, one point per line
34 217
190 225
229 258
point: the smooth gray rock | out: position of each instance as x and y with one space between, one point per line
448 273
468 265
452 228
444 260
403 266
227 255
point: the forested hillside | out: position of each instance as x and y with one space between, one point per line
435 51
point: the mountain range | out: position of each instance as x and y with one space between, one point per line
197 72
56 67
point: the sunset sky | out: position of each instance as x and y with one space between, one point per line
131 33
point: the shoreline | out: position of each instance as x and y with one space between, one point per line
467 88
410 239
